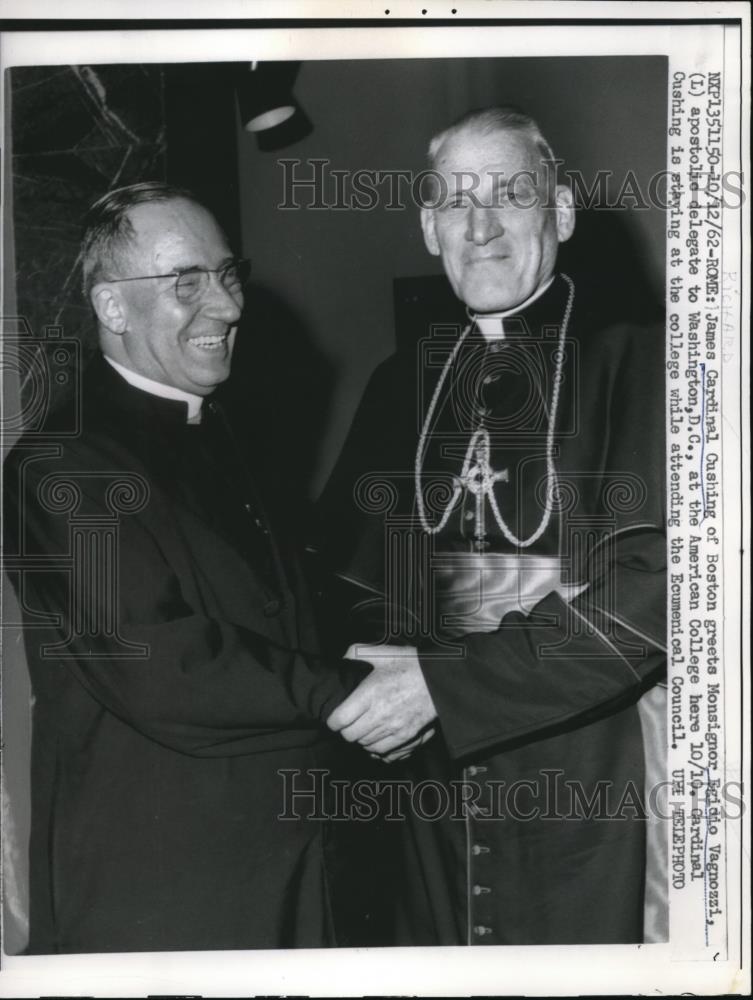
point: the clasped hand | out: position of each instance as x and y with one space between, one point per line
390 710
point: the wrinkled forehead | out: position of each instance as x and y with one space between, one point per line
487 154
169 231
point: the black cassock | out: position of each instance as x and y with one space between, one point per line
180 678
545 661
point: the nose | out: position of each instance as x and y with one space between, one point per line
220 304
484 225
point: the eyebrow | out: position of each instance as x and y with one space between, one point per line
202 267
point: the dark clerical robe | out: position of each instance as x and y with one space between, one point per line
175 673
523 553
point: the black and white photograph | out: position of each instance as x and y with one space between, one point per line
374 493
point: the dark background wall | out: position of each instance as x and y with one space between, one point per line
76 131
331 272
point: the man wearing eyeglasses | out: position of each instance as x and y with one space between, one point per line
176 671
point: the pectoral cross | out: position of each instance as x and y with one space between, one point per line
478 477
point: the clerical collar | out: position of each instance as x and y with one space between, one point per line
160 389
491 325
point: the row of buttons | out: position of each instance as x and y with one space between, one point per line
479 930
472 808
259 524
272 607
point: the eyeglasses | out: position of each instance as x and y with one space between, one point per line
192 282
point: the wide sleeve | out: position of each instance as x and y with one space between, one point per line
190 681
562 666
566 664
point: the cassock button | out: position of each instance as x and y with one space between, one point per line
272 608
479 849
475 769
259 523
480 930
480 890
469 515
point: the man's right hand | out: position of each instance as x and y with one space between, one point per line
407 748
391 707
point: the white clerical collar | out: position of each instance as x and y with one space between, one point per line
491 325
160 389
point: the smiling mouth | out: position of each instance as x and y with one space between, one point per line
209 343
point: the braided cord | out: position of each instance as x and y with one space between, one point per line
483 435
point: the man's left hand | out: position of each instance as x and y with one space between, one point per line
390 706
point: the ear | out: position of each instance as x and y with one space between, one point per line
429 226
564 207
109 307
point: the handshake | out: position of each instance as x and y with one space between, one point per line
390 711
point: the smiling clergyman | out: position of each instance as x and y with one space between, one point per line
182 672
